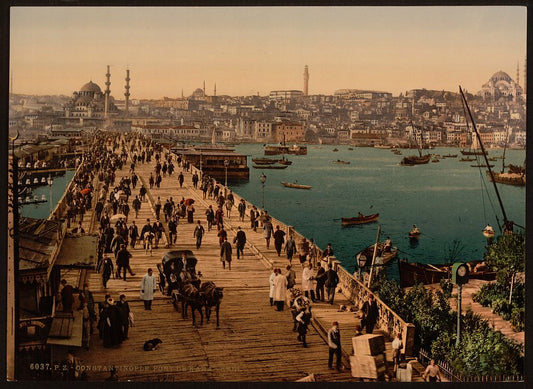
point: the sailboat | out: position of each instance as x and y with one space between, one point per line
516 175
507 224
413 159
473 149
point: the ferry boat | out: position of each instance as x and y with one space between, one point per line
212 163
277 150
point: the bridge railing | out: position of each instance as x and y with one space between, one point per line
355 291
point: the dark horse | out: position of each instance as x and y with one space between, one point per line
212 296
189 296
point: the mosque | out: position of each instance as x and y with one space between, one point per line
91 103
501 85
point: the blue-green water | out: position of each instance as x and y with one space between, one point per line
446 200
42 210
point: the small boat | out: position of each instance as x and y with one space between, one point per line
412 273
488 232
364 257
264 161
284 161
335 149
492 159
473 152
415 160
481 165
348 221
414 233
270 167
341 162
350 148
295 185
435 160
450 156
468 159
383 146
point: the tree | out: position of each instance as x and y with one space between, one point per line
507 256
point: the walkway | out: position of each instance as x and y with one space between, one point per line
254 342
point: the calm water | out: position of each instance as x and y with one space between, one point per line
446 200
42 210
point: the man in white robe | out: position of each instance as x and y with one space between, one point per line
148 288
280 290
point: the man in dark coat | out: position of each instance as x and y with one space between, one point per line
198 233
172 230
279 239
370 314
146 228
134 234
225 253
320 278
332 279
67 296
107 271
240 241
123 261
124 309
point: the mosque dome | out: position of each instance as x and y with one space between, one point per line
91 87
501 76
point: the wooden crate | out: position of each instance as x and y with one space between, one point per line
368 366
368 344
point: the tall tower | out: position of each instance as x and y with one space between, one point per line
517 74
127 93
215 90
306 81
204 88
11 87
107 92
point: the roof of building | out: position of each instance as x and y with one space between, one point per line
37 243
90 87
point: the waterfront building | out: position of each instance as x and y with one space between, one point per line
289 132
263 131
286 96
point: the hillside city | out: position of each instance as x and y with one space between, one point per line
349 116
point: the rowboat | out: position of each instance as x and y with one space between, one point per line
364 257
335 149
270 167
450 156
284 161
264 161
481 165
295 185
348 221
468 159
412 273
341 162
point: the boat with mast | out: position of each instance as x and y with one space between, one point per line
516 175
507 226
413 159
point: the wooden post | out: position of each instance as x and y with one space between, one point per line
374 257
511 291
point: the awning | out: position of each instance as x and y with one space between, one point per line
78 252
75 330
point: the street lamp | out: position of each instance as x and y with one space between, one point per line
263 179
226 164
460 275
50 183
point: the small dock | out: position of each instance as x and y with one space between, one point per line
254 341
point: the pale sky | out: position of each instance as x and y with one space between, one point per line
246 50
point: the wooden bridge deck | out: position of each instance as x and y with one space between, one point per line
254 342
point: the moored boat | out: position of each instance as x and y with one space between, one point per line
284 161
481 165
297 150
364 257
412 273
264 161
467 159
348 221
415 160
335 149
270 166
450 156
295 185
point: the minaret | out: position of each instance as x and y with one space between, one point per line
11 88
517 74
306 81
182 93
127 93
107 92
204 88
215 90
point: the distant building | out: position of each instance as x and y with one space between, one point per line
290 132
88 102
286 96
501 85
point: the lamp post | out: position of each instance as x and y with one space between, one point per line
226 164
50 183
201 171
263 179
